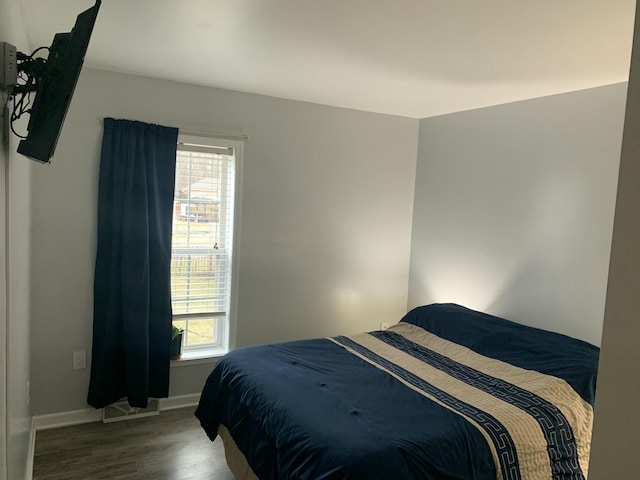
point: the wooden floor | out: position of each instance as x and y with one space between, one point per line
170 446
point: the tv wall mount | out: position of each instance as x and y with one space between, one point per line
19 77
8 66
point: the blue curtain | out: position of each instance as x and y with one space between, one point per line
132 291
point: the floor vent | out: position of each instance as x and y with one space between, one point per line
123 411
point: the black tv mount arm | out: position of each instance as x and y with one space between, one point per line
33 68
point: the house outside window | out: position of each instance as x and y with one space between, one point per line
202 243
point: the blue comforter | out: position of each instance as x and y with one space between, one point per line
448 393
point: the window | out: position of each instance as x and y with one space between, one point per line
202 241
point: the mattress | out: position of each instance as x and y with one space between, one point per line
447 393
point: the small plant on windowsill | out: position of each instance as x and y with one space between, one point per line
176 343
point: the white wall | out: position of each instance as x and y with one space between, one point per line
325 221
513 209
15 192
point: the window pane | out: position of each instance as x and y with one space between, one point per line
201 243
181 324
201 331
199 283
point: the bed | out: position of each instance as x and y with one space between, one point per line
446 393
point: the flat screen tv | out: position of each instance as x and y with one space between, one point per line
54 90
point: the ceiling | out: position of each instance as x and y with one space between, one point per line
415 58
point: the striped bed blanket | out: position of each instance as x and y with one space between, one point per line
447 393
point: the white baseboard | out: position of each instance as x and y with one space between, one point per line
32 450
88 415
66 419
180 401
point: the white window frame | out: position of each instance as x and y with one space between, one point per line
226 329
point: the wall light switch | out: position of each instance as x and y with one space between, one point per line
80 360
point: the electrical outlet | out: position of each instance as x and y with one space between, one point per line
384 325
80 360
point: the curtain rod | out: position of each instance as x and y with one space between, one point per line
231 136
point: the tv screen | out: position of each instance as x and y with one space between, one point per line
55 89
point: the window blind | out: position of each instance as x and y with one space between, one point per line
202 240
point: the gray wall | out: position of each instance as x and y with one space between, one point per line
542 173
512 215
325 220
616 430
15 205
514 206
4 354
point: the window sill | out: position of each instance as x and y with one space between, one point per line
196 357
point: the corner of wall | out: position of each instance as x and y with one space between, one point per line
15 351
3 310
